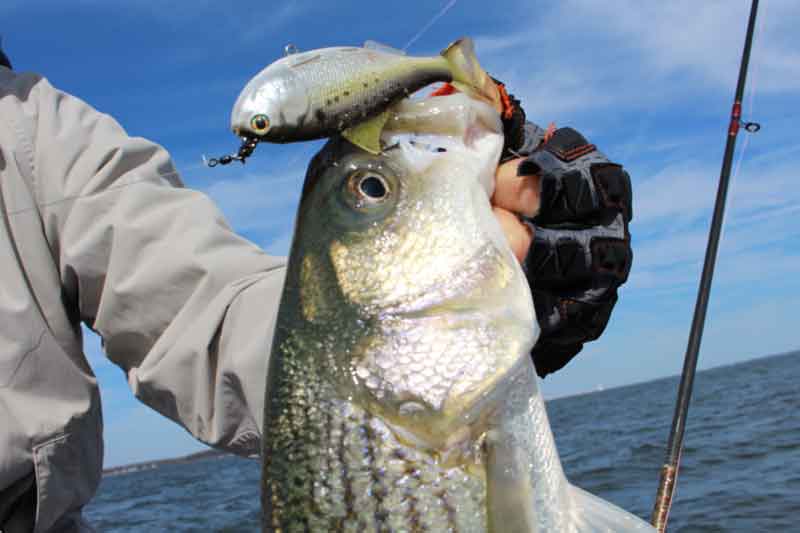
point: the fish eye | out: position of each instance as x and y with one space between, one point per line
260 124
368 187
359 190
373 186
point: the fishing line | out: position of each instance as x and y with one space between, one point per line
750 105
430 23
757 70
751 97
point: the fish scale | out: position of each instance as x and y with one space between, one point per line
336 467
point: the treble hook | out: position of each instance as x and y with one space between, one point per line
245 151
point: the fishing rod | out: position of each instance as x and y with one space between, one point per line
669 471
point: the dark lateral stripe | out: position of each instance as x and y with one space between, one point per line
295 500
346 481
413 512
311 431
275 497
378 489
324 443
451 511
414 517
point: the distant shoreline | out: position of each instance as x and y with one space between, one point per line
672 376
211 453
150 465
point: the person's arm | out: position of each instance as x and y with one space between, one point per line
184 306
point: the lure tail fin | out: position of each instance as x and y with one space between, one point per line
468 75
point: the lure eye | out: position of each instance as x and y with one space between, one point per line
259 124
368 188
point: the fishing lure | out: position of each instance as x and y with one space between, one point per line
322 92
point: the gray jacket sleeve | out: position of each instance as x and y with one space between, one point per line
184 306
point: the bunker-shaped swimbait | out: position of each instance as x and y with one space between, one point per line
319 93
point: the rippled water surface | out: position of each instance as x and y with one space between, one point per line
740 469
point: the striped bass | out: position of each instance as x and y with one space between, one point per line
401 395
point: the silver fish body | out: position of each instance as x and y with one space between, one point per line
401 395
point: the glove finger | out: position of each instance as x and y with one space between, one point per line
578 184
565 259
575 317
567 322
549 357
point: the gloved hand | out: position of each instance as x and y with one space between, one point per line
576 206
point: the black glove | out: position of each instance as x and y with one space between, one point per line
581 251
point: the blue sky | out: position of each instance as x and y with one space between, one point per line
650 83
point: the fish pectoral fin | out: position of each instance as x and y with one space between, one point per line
509 494
367 135
592 513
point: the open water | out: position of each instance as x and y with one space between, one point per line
740 469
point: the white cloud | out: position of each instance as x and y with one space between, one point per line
750 250
678 190
258 202
749 261
263 204
688 191
486 45
277 17
583 55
